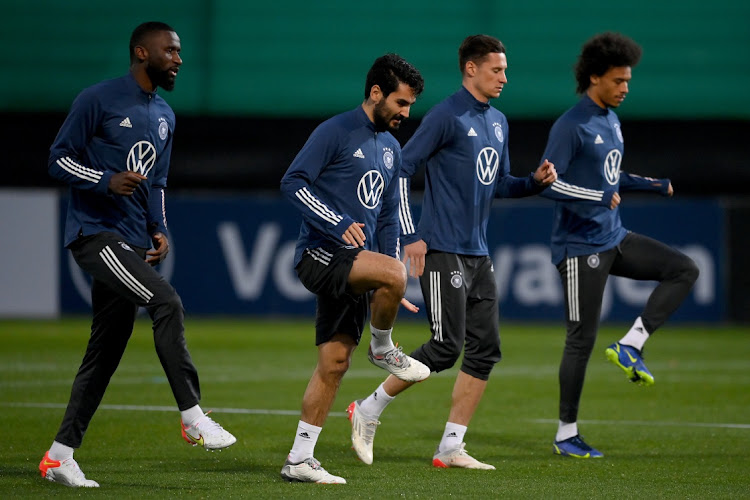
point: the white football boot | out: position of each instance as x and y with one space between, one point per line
457 457
402 366
363 432
65 472
207 433
309 471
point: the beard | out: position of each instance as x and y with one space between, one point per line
160 78
382 118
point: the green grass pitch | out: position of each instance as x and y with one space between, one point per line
686 437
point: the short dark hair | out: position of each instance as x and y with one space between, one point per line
602 52
142 31
476 47
388 71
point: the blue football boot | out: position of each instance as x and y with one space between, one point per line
575 447
631 361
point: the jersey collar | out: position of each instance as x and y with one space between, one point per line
133 85
473 101
362 117
589 105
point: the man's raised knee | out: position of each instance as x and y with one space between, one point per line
446 358
690 270
395 276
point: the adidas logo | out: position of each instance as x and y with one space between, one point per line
358 154
639 329
472 133
304 435
126 122
598 139
375 396
452 435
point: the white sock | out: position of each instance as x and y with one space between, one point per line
374 404
191 415
59 451
452 437
566 430
304 442
636 336
381 341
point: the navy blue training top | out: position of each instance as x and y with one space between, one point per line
112 127
586 145
344 173
464 143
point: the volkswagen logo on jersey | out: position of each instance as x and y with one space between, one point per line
163 129
141 157
612 166
498 131
487 162
370 189
388 158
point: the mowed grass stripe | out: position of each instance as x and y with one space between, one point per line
686 437
265 411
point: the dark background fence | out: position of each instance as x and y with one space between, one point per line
259 76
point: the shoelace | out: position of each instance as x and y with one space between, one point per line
458 452
208 424
461 451
397 357
73 467
369 428
578 441
314 464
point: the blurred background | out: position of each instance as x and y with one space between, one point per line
259 76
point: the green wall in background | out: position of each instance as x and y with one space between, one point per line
309 59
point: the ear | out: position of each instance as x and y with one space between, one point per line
470 68
376 94
594 79
140 52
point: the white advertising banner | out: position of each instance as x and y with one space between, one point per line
29 253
